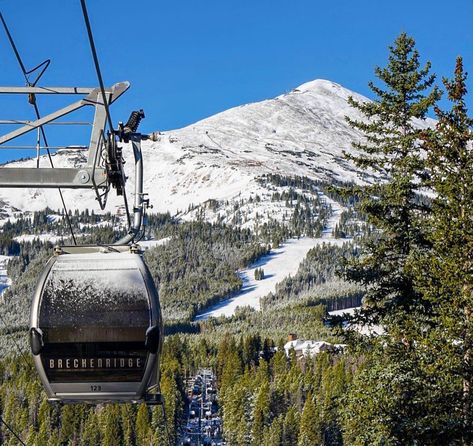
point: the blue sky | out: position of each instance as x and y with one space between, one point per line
187 60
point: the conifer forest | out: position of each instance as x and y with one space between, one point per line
404 261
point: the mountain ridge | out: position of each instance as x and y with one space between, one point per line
300 133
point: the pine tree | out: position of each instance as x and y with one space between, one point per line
371 415
273 435
387 402
291 427
391 150
68 423
169 389
91 434
308 433
232 369
261 413
128 421
445 273
112 429
42 436
143 432
159 427
236 416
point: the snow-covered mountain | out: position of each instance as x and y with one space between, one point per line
303 132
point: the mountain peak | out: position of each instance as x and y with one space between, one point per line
325 87
303 133
317 84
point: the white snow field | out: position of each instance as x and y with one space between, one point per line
147 244
5 281
303 132
42 237
367 330
277 265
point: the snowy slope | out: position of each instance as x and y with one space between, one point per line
303 132
277 265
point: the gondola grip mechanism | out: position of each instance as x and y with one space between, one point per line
36 340
152 338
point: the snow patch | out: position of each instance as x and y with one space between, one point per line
24 238
147 244
5 281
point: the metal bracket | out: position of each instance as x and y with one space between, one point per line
91 176
46 177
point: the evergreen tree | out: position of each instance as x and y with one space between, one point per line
232 369
273 435
68 423
236 416
445 273
42 438
91 434
128 421
308 433
387 402
112 429
142 426
261 413
159 425
391 149
291 427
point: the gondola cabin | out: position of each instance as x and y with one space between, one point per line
96 329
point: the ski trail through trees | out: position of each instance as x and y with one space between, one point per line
5 281
277 265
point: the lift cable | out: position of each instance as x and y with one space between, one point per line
66 213
96 63
44 64
32 100
12 431
102 88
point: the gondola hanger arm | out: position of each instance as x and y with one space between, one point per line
93 98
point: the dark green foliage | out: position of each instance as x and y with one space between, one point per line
351 224
331 189
85 224
444 274
309 212
197 267
411 386
283 401
305 318
415 385
403 397
16 301
8 246
23 405
309 433
259 274
391 149
387 399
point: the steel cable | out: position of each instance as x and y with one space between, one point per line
45 65
102 89
96 63
12 431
